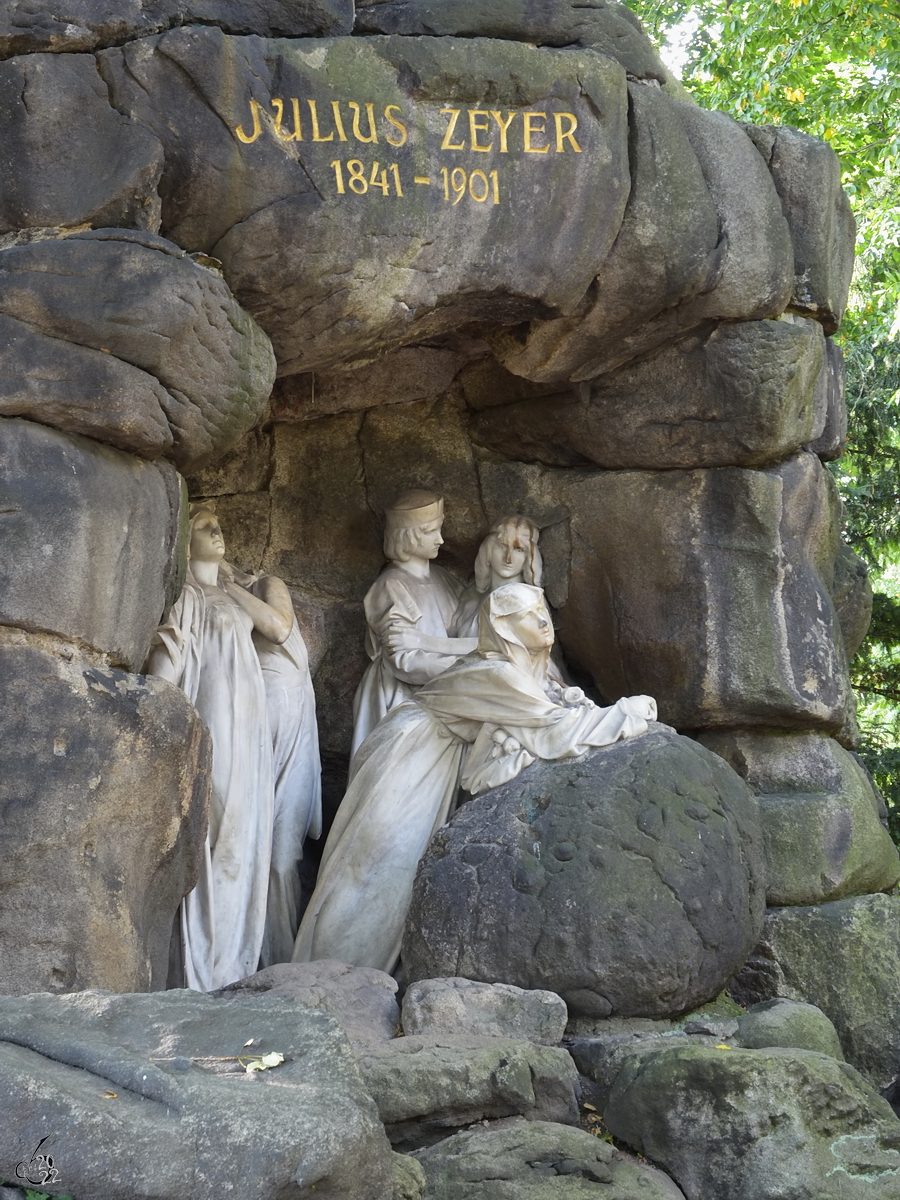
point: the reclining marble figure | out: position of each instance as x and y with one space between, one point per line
478 724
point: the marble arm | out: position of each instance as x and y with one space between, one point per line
272 617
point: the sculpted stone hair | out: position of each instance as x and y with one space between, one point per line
520 533
404 519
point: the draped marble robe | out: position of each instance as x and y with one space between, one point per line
291 707
407 774
208 640
398 596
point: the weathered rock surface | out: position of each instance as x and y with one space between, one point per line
789 1024
851 592
743 395
91 540
409 1178
600 1046
629 882
426 1086
430 265
120 336
103 796
824 822
462 1006
710 591
361 999
807 177
612 29
832 442
68 157
409 374
75 25
704 232
752 1124
537 1161
844 957
161 1075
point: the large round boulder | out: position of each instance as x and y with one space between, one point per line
630 881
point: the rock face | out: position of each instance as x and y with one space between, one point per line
88 24
487 1009
104 799
808 180
360 999
162 1074
542 1161
751 1124
740 395
824 822
146 349
629 882
69 157
789 1024
710 591
560 129
844 957
426 1087
722 253
91 541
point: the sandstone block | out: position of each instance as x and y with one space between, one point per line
744 394
92 540
361 999
832 441
851 592
824 822
844 957
704 232
103 791
611 29
163 1075
426 1086
748 1124
807 176
710 591
629 882
189 371
441 1006
789 1024
430 265
90 24
68 157
539 1160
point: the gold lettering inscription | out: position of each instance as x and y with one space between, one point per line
257 127
359 183
569 133
446 144
398 125
297 135
336 109
476 127
314 116
478 186
531 131
504 127
370 113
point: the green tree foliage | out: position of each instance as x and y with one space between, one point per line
832 69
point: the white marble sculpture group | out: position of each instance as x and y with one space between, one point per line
460 691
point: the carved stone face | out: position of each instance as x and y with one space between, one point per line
533 628
506 557
207 543
428 539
